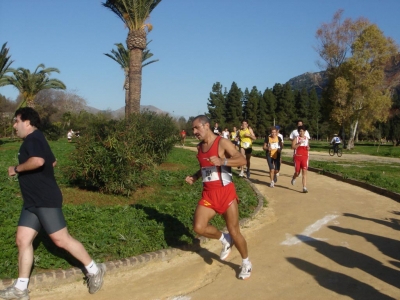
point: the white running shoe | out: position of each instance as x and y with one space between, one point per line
246 271
13 293
305 190
277 174
95 281
272 184
241 174
293 181
226 250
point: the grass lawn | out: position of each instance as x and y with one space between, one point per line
111 227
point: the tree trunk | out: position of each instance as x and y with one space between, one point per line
135 80
353 131
126 102
136 42
126 88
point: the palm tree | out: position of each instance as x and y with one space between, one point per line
5 63
30 84
121 56
134 14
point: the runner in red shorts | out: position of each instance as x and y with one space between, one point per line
216 156
301 146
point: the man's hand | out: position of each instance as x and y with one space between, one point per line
190 179
11 171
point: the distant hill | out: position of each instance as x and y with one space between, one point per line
120 113
318 80
308 81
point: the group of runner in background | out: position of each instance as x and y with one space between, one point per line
273 144
243 139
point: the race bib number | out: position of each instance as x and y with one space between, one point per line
246 145
274 146
303 142
209 174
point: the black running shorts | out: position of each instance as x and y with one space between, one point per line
50 218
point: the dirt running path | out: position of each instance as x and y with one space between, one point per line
336 242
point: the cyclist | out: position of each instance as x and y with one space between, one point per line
335 142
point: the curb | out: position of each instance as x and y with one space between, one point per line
48 279
364 185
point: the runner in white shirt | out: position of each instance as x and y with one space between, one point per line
295 133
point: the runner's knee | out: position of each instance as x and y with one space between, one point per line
199 228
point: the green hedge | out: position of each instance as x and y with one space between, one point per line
117 157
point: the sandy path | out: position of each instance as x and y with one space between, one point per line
336 242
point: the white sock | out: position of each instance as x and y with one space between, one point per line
246 260
22 283
92 268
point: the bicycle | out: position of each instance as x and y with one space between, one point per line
338 152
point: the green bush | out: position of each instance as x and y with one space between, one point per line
117 157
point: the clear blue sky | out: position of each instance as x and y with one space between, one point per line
252 42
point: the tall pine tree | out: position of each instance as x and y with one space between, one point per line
216 104
313 114
234 110
251 107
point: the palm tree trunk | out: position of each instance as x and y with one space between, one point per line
136 42
135 80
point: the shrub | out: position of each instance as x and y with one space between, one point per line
117 157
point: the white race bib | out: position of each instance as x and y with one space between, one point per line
246 145
209 174
274 146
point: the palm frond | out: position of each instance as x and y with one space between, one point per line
5 64
133 13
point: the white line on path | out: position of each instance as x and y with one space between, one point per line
293 240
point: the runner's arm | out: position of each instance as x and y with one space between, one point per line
295 144
192 179
252 136
228 155
31 164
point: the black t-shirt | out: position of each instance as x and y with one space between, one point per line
38 187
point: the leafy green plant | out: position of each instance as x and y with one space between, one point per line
119 156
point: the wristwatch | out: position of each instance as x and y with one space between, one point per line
15 170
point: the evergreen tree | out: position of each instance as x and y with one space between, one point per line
234 110
251 108
271 104
263 115
313 115
216 104
286 116
302 104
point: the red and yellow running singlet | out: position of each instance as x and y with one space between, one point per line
213 176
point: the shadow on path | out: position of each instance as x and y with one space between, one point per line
338 282
392 223
387 246
353 259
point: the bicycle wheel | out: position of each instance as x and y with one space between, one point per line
339 152
331 152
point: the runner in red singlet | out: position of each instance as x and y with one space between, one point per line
301 146
216 156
